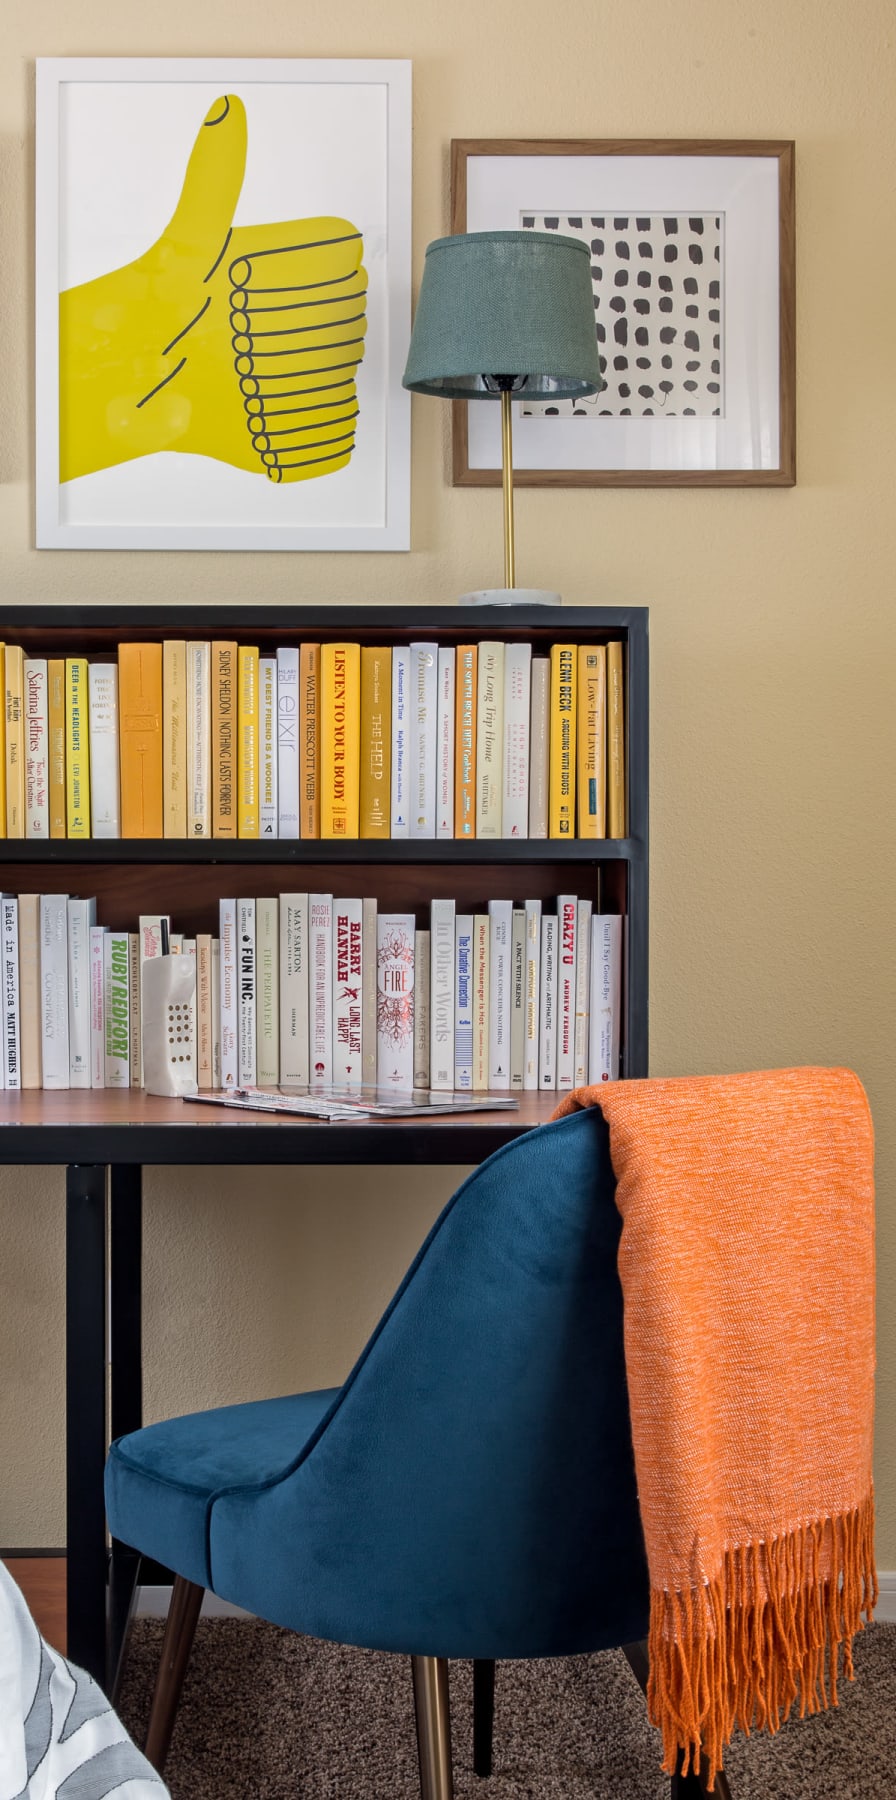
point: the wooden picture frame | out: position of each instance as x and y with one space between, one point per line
659 215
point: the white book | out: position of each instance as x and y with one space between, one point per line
547 1023
174 737
116 1006
149 941
54 989
204 1023
539 746
515 775
463 1004
216 1012
37 749
288 743
400 802
267 1002
245 951
190 1027
97 1006
229 994
81 918
489 740
583 991
606 997
442 955
12 1056
480 1001
445 721
320 988
199 740
348 984
135 1008
294 1063
517 998
567 913
421 1008
29 989
424 685
368 991
395 1001
531 1064
102 723
500 925
268 747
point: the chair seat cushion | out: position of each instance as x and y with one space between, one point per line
162 1481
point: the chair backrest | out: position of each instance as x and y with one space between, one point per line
471 1491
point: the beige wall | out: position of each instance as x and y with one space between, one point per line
773 646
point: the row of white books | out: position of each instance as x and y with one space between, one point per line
306 990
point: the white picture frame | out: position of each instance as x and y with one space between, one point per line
323 139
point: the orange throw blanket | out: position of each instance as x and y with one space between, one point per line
747 1269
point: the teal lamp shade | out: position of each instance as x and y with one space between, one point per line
505 309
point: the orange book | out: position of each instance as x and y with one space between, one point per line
309 741
376 740
224 723
56 733
140 731
465 741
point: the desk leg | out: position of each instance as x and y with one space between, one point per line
85 1407
125 1380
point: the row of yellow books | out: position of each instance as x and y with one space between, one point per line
217 739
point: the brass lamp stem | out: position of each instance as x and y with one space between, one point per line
507 477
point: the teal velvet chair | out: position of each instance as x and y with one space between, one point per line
469 1491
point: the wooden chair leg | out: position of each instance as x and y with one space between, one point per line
180 1630
483 1715
433 1727
684 1787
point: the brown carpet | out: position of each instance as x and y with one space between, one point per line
267 1715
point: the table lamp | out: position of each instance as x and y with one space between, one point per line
505 315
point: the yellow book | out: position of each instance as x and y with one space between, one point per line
3 745
465 741
309 741
247 742
340 707
77 747
140 739
562 800
592 741
376 742
174 748
56 736
615 743
224 739
14 709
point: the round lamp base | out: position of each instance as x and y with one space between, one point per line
511 597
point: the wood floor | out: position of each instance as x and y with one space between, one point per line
42 1581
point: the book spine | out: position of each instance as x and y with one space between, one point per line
517 998
376 741
606 992
29 988
616 822
12 1055
189 1027
395 1001
547 1027
174 740
583 991
268 802
3 745
229 994
466 683
539 746
489 740
531 1055
204 1023
480 1000
288 742
247 741
294 1063
562 809
223 737
77 748
309 741
198 740
368 991
422 978
267 1004
441 1008
320 988
117 1067
105 812
348 982
246 1058
54 989
517 700
149 944
401 676
500 922
135 1010
445 711
592 741
463 1015
340 695
140 733
567 913
216 1081
422 740
81 919
97 1006
37 749
14 711
56 728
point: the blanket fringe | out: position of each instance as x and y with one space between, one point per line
775 1626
